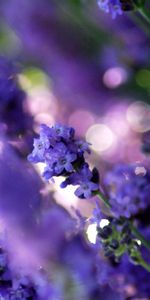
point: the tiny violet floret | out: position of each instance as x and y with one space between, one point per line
85 180
85 190
63 155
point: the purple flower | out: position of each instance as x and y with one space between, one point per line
51 145
110 6
3 259
83 178
62 154
84 174
21 293
48 172
9 88
20 195
85 189
12 100
128 192
82 146
81 220
67 133
80 258
97 214
65 163
40 147
146 142
136 276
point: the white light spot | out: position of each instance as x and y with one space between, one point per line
64 197
92 233
103 223
100 137
117 121
138 116
42 118
41 100
140 171
1 147
138 242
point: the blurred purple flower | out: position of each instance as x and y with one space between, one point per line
135 278
146 142
19 190
111 6
97 214
12 100
128 191
81 260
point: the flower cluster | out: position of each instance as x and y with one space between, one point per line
110 6
127 187
116 7
63 155
10 287
117 239
17 285
128 191
135 274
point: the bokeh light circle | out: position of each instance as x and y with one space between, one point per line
114 77
87 120
138 116
100 136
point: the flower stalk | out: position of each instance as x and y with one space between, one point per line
135 231
145 14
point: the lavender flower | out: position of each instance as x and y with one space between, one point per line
146 142
116 239
116 7
83 178
65 163
16 284
133 275
10 287
110 6
21 293
97 214
12 99
63 155
128 192
85 190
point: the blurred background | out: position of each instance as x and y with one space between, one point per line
75 65
79 67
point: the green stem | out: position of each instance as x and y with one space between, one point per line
144 13
102 197
145 242
139 22
144 265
